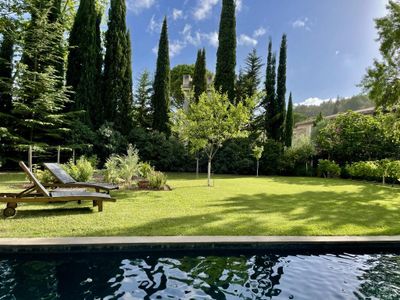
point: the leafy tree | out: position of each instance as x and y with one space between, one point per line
200 75
117 96
209 123
177 73
38 98
289 122
296 159
382 81
279 126
160 99
257 153
142 101
6 66
83 57
226 53
252 71
270 104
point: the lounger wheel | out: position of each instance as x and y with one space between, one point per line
9 212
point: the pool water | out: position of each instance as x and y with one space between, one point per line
212 276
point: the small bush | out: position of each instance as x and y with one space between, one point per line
145 169
375 170
81 171
44 176
123 168
157 180
327 168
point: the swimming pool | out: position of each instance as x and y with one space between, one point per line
212 276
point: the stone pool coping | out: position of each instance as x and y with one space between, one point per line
199 243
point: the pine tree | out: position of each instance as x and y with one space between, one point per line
241 87
117 69
281 91
226 53
270 98
38 98
142 101
252 72
6 57
160 100
289 122
82 69
200 75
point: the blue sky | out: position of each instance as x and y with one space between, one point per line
330 42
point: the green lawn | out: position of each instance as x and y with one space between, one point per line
234 206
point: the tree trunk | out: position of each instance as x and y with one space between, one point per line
209 173
258 164
197 167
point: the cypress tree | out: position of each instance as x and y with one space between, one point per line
200 74
289 121
160 100
82 69
6 57
270 99
117 96
142 101
281 92
226 53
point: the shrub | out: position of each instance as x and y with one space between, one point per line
364 169
327 168
157 180
81 171
145 169
296 160
44 176
123 168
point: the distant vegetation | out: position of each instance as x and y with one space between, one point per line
332 107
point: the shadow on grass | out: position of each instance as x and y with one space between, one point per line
52 212
308 211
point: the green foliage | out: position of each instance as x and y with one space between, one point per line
123 169
382 79
6 60
145 169
142 101
271 160
109 141
354 137
210 122
200 75
269 103
279 118
226 54
44 176
117 96
157 180
328 168
258 151
177 73
372 170
83 73
295 160
81 171
160 99
289 122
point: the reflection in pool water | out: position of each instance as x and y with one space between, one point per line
248 276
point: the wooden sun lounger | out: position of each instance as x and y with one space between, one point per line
65 180
38 193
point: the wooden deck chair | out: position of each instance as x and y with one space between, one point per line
38 193
65 180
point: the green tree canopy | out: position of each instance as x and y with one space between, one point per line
177 73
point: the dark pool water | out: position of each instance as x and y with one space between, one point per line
235 276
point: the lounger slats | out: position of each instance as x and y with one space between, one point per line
59 173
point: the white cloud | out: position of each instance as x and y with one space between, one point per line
155 50
337 52
177 14
188 37
138 5
176 47
314 101
239 5
301 23
204 8
259 32
212 38
245 40
154 26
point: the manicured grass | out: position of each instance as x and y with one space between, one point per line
236 205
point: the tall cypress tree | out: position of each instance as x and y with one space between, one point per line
160 100
270 105
117 96
281 91
289 121
226 53
200 74
82 69
6 57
